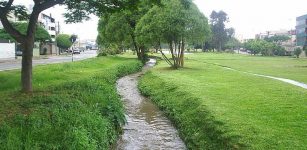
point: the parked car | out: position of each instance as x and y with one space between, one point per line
82 49
18 53
76 51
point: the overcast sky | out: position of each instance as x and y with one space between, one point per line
248 17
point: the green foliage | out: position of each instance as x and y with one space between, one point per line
277 38
197 127
218 108
233 43
63 41
264 48
115 30
79 11
297 52
219 31
76 107
41 34
101 54
175 23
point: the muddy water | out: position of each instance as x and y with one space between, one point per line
147 127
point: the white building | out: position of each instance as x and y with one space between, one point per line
49 24
288 45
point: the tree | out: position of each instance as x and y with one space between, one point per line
118 29
265 48
219 36
233 43
63 41
114 30
41 34
277 38
77 10
297 52
255 46
177 23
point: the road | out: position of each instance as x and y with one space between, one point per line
16 64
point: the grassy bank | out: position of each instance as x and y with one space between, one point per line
216 108
74 106
284 67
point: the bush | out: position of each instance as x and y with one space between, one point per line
297 52
102 54
63 41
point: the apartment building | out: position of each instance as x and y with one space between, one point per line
301 31
50 25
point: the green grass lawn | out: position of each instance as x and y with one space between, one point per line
216 108
284 67
74 105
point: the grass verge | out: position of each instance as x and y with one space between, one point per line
216 108
75 106
283 67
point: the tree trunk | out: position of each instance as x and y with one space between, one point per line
182 54
26 69
136 46
171 48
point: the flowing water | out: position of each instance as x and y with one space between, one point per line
147 127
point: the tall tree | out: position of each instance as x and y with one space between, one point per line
219 32
77 10
177 23
119 27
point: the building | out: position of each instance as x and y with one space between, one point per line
289 45
46 48
269 34
301 31
50 25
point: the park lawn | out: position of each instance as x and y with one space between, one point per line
216 108
283 67
73 106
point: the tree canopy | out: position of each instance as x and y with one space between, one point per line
264 48
176 23
77 10
277 38
63 41
41 34
219 37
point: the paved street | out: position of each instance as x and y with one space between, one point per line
16 64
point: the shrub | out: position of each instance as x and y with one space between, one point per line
297 52
102 54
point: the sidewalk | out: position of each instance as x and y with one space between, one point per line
9 60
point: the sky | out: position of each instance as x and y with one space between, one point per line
248 17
